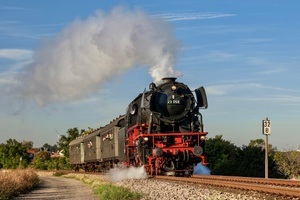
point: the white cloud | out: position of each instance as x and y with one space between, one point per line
254 40
224 89
7 76
15 54
192 16
220 56
278 99
16 29
12 8
273 70
217 90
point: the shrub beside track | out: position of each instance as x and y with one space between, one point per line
15 182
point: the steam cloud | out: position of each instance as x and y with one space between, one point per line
88 53
201 169
119 173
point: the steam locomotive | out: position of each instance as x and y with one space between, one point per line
161 130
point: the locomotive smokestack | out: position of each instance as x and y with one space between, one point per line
168 79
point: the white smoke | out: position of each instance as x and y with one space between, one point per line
119 173
88 53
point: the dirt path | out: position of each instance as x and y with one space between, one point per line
60 188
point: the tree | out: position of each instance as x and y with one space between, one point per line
256 166
64 141
14 154
41 159
50 148
27 144
221 155
251 161
288 163
226 159
257 143
58 163
261 144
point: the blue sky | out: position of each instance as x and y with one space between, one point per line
245 53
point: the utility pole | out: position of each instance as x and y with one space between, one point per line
20 163
266 130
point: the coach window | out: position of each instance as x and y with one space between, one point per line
90 144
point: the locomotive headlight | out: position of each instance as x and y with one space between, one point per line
203 137
173 87
198 151
146 139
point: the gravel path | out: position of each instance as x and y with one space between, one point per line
60 188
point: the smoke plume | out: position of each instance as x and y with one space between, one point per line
88 53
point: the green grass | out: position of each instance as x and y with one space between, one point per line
107 191
59 173
112 192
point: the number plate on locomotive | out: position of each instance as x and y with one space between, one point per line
173 101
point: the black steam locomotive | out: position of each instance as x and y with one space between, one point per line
162 130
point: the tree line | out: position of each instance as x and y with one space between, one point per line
15 154
224 157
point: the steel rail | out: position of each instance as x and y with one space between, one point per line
276 190
270 181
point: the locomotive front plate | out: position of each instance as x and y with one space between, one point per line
173 101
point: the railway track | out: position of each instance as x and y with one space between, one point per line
277 187
274 182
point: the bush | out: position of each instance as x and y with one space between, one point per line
42 160
111 192
288 163
15 182
59 173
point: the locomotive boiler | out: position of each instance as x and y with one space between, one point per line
161 130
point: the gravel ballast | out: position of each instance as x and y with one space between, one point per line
157 189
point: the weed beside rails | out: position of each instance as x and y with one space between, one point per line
15 182
106 190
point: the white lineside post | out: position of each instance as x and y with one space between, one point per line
266 158
266 129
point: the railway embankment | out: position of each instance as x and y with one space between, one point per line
151 188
